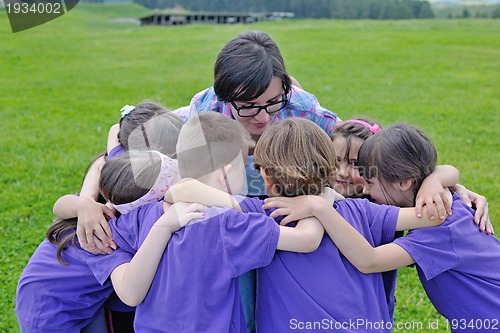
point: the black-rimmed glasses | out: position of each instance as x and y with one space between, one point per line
252 111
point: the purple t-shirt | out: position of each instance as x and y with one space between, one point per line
459 267
54 298
196 287
322 290
115 151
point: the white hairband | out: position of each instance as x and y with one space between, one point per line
168 176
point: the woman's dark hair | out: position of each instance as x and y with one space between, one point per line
246 65
398 153
63 231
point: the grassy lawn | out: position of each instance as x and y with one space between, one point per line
62 85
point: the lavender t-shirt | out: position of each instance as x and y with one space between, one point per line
322 290
196 285
459 267
54 298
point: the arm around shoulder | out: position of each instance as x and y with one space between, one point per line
305 237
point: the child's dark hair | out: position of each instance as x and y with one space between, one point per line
352 129
297 155
397 153
150 126
63 231
129 176
246 65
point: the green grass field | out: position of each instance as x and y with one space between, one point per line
62 85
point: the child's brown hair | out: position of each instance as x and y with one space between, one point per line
297 155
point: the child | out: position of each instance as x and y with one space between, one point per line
457 263
347 137
146 126
195 288
320 288
57 292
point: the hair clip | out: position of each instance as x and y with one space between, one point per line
127 109
375 128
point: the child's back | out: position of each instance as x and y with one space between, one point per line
51 297
197 277
456 259
323 288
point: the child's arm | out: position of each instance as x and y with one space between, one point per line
90 186
132 280
432 191
88 212
113 137
92 229
305 237
192 190
349 241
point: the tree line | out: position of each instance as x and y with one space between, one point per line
340 9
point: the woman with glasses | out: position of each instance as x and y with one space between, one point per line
251 85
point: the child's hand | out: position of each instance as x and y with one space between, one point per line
330 195
433 196
180 214
480 204
93 224
297 208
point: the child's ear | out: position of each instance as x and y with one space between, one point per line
405 185
268 182
222 174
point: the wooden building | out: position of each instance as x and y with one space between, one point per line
206 18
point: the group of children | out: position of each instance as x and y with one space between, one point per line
158 234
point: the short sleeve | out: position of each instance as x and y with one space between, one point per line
377 223
115 151
382 220
103 265
250 240
129 231
431 248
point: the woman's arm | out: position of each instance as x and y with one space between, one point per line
479 204
132 280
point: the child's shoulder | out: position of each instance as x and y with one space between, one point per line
351 203
148 213
364 209
251 204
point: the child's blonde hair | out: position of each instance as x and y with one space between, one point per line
209 141
297 155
